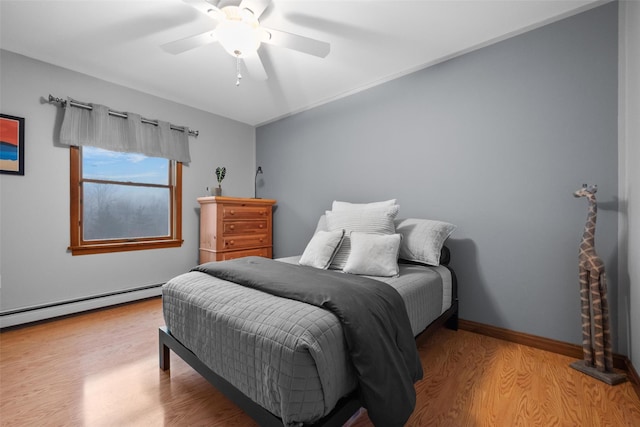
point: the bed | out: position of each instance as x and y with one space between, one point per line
290 362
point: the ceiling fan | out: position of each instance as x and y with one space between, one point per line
240 33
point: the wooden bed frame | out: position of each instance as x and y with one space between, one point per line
345 408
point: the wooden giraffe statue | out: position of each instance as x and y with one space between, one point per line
596 332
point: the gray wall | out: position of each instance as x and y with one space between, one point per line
494 141
629 171
35 265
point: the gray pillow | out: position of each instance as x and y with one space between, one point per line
378 220
422 239
344 206
322 224
321 249
374 254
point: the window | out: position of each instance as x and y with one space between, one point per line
124 201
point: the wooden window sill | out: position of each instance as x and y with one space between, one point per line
100 248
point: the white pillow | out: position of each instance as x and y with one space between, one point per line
422 239
343 206
378 220
321 249
374 254
322 224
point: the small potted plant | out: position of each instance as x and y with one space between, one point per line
220 174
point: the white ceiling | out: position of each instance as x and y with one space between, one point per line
371 42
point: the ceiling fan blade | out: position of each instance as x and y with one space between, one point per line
209 8
296 42
255 68
189 43
255 6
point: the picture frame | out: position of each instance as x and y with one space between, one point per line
11 145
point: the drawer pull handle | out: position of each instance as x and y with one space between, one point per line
232 212
231 242
232 227
260 226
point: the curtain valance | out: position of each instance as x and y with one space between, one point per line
97 128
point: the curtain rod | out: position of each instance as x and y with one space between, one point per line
74 103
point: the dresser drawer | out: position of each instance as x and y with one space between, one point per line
208 256
244 241
263 252
230 228
244 212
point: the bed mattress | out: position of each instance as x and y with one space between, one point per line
285 355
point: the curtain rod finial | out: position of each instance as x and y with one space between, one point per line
53 100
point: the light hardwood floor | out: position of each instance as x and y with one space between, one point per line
101 369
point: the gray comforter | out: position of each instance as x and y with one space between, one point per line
285 355
372 314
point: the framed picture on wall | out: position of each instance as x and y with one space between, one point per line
11 145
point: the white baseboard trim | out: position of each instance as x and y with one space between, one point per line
72 307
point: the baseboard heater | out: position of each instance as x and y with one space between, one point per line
21 316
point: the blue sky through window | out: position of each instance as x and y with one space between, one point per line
125 167
116 211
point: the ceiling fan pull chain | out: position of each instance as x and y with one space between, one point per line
238 75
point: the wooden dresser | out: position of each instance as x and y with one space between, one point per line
232 227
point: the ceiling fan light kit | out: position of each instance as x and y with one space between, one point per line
240 34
